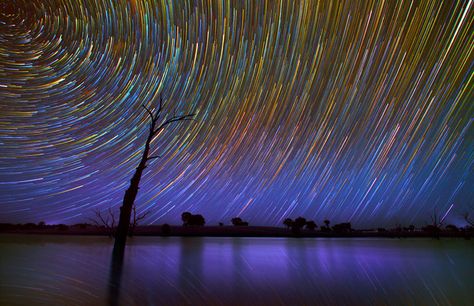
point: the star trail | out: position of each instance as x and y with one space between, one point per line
356 111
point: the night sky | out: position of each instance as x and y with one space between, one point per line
356 111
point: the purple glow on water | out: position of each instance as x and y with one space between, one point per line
244 271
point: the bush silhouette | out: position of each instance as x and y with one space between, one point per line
238 222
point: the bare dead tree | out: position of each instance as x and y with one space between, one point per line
107 221
130 194
468 219
136 219
436 220
436 223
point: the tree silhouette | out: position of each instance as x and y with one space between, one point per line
185 217
239 222
106 221
197 220
344 227
452 228
299 222
468 219
436 222
192 220
311 225
326 228
132 191
288 222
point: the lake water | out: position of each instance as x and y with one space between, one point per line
65 270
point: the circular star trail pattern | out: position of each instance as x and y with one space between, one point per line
356 111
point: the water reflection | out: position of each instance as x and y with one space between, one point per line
222 271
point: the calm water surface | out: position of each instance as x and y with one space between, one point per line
54 270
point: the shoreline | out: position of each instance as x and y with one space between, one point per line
241 231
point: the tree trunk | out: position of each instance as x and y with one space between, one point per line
129 201
131 193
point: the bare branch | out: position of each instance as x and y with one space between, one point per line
436 220
94 221
113 219
142 216
160 107
153 157
149 112
467 219
105 222
187 117
136 218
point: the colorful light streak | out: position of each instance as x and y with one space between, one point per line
348 110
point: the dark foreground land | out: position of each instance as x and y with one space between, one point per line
231 231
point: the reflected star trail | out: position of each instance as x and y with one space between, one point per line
349 110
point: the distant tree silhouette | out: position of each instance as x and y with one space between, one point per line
468 219
29 225
82 225
300 222
342 227
436 222
107 221
165 229
62 227
132 191
327 222
325 227
452 228
185 217
192 220
297 225
238 222
288 223
311 225
197 220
